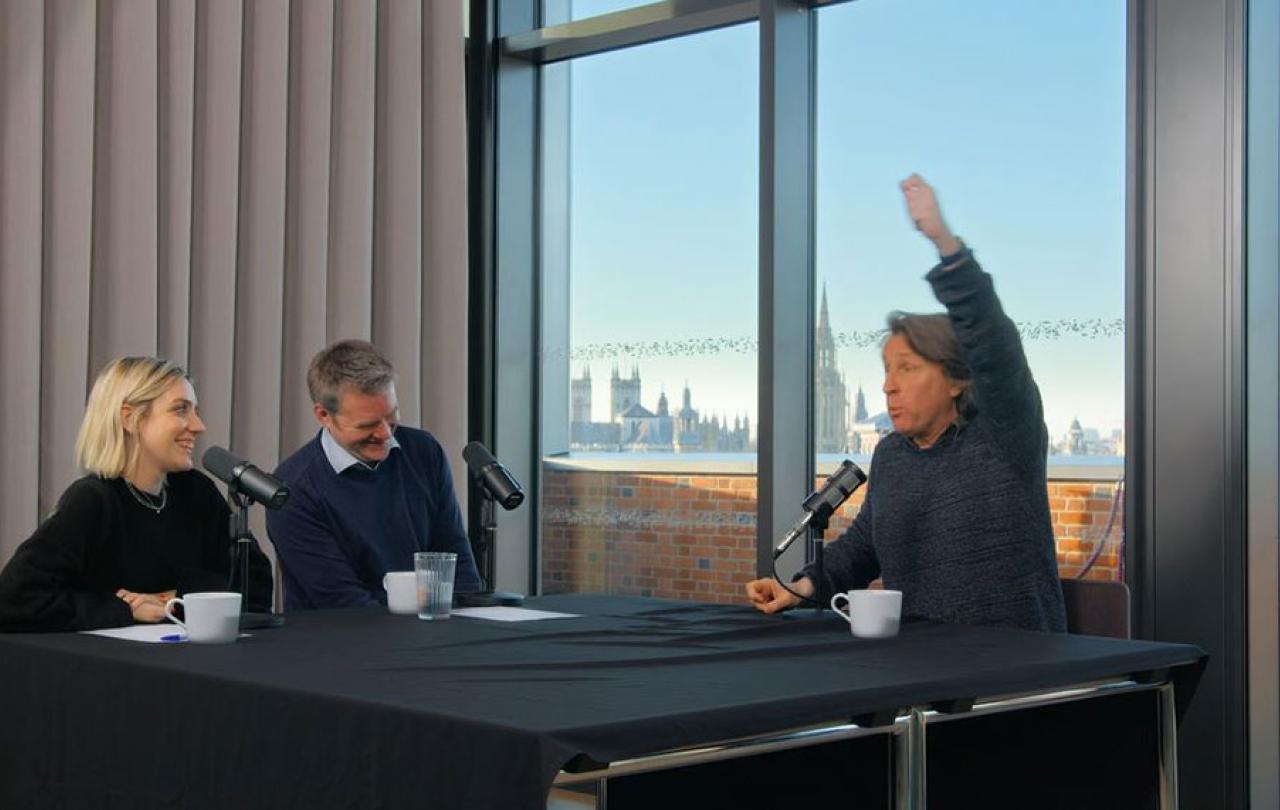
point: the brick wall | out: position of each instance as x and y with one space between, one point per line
1081 513
693 536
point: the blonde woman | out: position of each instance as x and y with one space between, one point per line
140 528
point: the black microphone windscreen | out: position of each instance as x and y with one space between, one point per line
263 487
833 492
241 476
221 463
477 456
495 480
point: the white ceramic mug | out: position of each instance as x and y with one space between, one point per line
872 614
211 618
402 591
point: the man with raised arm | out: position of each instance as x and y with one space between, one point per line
957 509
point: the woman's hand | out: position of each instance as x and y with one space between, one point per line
147 608
768 596
922 207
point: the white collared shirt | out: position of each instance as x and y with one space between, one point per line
341 459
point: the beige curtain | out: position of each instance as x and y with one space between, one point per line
231 185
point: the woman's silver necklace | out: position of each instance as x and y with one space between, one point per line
145 500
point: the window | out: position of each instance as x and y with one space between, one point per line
645 182
656 496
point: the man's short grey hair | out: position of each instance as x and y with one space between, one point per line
348 364
932 337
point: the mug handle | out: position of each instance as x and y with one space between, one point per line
848 617
168 613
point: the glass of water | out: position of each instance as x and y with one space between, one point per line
435 583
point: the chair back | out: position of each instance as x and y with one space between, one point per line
1096 607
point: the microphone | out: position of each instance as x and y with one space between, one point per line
822 502
245 478
498 483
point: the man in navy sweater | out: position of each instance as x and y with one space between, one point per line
366 492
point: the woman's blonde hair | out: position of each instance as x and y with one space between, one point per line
104 447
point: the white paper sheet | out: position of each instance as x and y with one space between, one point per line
163 633
510 614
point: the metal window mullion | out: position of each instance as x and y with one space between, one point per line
514 406
786 305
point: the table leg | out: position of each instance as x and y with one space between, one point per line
910 765
1168 749
902 771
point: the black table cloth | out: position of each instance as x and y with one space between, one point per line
360 708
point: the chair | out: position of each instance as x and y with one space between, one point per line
1096 607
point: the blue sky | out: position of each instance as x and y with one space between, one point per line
1014 110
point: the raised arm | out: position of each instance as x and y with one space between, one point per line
1005 391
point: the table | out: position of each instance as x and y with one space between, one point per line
359 708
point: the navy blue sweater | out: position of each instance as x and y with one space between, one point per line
962 528
340 533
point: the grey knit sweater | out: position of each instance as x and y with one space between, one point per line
962 528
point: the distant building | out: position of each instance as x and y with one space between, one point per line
1086 441
715 434
580 397
1117 442
865 434
830 394
736 439
583 433
644 431
687 435
604 436
633 428
1075 444
623 391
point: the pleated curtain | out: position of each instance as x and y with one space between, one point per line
231 185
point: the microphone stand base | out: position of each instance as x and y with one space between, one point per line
488 599
260 621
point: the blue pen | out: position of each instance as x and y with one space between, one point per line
173 637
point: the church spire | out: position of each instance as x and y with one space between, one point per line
860 406
824 343
824 320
